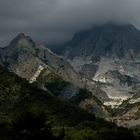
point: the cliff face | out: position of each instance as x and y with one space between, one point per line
105 60
37 63
105 40
25 58
108 57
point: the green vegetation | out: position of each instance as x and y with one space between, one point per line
55 84
137 132
82 95
52 82
16 95
27 126
125 107
102 134
27 112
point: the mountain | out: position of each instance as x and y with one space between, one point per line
107 57
17 95
99 70
69 92
28 60
27 112
106 40
48 71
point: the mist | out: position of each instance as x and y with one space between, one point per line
55 21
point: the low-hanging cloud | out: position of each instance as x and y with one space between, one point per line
55 21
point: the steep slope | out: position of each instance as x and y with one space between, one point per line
106 40
70 92
38 64
128 114
28 59
17 97
108 56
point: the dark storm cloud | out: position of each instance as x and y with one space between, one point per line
54 21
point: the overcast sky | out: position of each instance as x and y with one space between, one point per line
55 21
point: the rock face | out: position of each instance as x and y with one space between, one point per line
28 60
104 59
34 77
105 40
32 62
107 56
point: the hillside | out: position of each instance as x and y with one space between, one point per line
107 54
69 92
17 95
104 40
27 59
98 71
20 101
39 65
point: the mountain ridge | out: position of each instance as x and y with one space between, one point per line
38 64
22 49
101 60
27 111
99 38
108 56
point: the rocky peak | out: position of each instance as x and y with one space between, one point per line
104 40
107 28
21 39
21 35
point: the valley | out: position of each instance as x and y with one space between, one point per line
107 57
98 70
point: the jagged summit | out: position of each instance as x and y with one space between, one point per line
27 59
108 27
108 54
104 40
19 37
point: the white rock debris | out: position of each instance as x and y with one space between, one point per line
133 101
116 96
79 62
113 103
36 74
